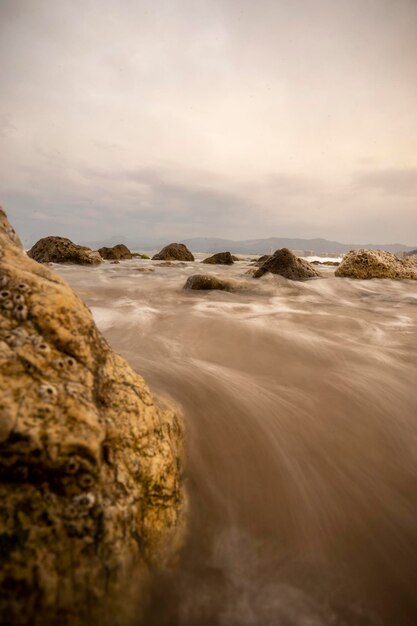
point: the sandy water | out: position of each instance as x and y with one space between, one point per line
300 401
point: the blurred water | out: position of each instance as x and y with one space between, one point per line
301 408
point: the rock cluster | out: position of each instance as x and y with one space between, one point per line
376 264
221 258
206 282
90 465
62 250
174 252
116 253
285 263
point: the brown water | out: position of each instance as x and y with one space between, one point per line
301 408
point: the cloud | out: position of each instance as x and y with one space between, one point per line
391 181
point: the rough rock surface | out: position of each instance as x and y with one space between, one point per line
174 252
376 264
90 465
221 258
116 253
285 263
205 282
62 250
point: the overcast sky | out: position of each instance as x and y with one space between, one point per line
227 118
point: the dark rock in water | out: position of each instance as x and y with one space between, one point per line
114 262
62 250
91 493
221 258
205 282
117 252
235 258
262 259
285 263
140 255
376 264
174 252
329 263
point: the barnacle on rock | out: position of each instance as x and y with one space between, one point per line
19 298
5 294
6 305
4 281
48 392
20 312
72 466
85 481
22 287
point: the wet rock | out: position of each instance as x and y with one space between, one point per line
329 263
236 258
116 253
285 263
145 270
171 264
90 464
376 264
140 255
221 258
174 252
62 250
205 282
262 259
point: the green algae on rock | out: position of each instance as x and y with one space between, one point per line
90 464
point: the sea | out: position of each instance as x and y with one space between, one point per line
300 405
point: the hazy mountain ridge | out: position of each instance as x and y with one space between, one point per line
251 246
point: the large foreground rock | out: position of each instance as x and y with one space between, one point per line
174 252
116 253
285 263
376 264
221 258
206 282
62 250
90 465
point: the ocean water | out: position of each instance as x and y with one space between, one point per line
300 401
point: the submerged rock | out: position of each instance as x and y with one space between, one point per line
117 252
205 282
221 258
62 250
285 263
376 264
140 255
90 465
174 252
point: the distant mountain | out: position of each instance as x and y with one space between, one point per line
248 246
265 246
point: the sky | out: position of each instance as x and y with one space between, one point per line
209 118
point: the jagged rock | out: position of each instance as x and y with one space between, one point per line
62 250
221 258
285 263
205 282
262 259
116 253
376 264
174 252
90 465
